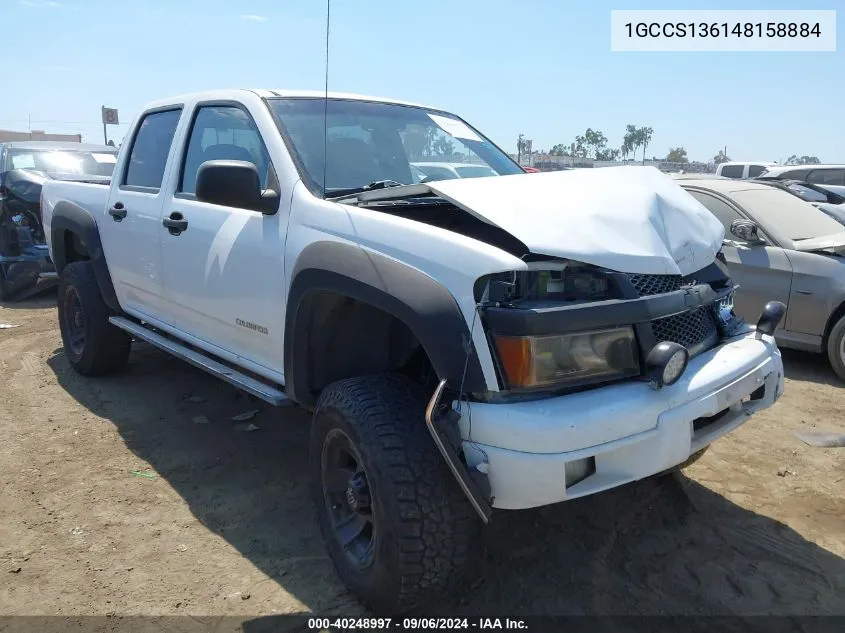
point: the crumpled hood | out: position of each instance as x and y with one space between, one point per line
629 219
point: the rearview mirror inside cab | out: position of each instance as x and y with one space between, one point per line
234 183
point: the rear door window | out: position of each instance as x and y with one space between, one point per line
755 170
150 148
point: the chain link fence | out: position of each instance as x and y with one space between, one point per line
546 162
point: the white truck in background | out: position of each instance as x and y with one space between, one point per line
466 346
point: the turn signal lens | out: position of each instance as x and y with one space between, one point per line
515 355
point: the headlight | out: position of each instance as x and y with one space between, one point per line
568 359
544 281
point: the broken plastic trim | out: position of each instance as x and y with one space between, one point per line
470 487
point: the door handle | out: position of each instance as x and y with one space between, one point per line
117 212
176 223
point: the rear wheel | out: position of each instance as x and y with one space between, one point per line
398 528
92 345
836 348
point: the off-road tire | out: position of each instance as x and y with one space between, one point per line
105 348
834 346
427 534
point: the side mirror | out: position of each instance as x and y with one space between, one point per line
234 183
746 230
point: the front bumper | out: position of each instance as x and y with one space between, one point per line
25 274
629 431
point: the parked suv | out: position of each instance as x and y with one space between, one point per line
466 346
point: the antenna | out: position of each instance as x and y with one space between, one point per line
326 100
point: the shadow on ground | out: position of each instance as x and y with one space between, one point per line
44 299
657 547
799 365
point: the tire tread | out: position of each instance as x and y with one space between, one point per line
437 529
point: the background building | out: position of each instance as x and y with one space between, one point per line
550 162
7 136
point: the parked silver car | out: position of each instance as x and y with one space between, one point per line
779 247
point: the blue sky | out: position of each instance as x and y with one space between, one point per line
539 67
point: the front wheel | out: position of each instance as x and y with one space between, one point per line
93 346
836 348
399 530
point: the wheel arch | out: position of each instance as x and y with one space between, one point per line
837 313
74 236
426 308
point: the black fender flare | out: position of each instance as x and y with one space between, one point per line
427 308
69 217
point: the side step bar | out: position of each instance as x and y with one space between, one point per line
232 376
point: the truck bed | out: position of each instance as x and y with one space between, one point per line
90 196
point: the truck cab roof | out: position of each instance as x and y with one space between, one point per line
264 93
59 146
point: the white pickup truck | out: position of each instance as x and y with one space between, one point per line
466 346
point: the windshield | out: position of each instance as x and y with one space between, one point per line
71 162
790 216
811 195
371 142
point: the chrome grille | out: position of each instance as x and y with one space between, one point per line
646 285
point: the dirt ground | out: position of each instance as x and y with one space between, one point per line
115 500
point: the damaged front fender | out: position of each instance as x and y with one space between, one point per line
25 265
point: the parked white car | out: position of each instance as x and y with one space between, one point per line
466 346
